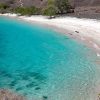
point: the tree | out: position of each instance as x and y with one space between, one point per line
50 9
50 2
3 7
62 5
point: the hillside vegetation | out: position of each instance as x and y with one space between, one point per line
45 7
52 7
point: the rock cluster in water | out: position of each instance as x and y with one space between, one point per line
7 95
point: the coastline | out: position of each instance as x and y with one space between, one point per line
85 30
72 28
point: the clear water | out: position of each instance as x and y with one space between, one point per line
44 65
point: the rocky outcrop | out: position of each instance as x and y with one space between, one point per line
80 3
87 10
7 95
42 3
26 3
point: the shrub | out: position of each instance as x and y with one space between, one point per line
3 6
63 6
50 10
27 10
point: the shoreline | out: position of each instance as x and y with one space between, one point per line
75 28
84 30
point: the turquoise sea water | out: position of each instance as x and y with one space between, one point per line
44 65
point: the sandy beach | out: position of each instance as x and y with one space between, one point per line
85 30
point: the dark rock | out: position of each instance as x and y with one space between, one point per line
77 31
37 88
24 77
37 76
32 84
45 97
13 83
19 89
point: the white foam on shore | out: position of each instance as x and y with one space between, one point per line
9 14
98 55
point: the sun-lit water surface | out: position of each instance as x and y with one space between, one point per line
44 65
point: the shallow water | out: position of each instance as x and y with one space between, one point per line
44 65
